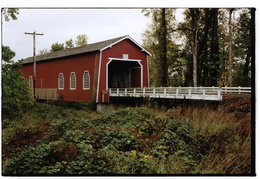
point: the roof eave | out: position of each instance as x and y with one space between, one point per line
52 58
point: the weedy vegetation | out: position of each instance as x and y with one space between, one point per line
54 140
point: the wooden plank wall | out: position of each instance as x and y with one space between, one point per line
47 93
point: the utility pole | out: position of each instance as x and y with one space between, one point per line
34 62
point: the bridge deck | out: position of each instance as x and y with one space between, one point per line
196 93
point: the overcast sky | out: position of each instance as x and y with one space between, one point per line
59 25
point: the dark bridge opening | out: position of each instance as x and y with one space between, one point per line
124 74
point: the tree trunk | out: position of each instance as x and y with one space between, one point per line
214 50
164 50
203 50
195 58
195 19
230 52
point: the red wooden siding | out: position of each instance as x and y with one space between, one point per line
117 51
48 71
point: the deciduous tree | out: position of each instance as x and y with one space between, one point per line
57 46
158 39
81 40
69 43
43 51
10 13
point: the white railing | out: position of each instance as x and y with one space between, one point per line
199 93
235 90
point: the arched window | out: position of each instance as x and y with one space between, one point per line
61 81
72 81
86 80
30 82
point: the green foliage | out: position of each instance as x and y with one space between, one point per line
57 46
7 54
10 13
60 126
158 40
81 40
212 44
122 141
29 162
16 94
69 44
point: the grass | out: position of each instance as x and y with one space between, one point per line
230 134
53 140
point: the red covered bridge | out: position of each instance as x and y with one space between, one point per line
85 73
112 68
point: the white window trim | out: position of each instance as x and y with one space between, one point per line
84 80
75 81
59 81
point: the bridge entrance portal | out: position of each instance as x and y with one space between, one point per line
124 74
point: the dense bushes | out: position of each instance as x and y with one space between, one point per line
122 141
16 94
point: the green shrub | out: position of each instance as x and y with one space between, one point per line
28 162
124 141
16 94
121 140
76 136
60 126
55 158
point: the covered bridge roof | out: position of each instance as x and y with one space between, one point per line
99 46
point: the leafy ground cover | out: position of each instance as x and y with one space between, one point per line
52 140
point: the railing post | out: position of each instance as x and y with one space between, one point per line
164 92
239 90
177 92
109 90
125 91
154 92
144 92
190 92
219 94
117 91
134 92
